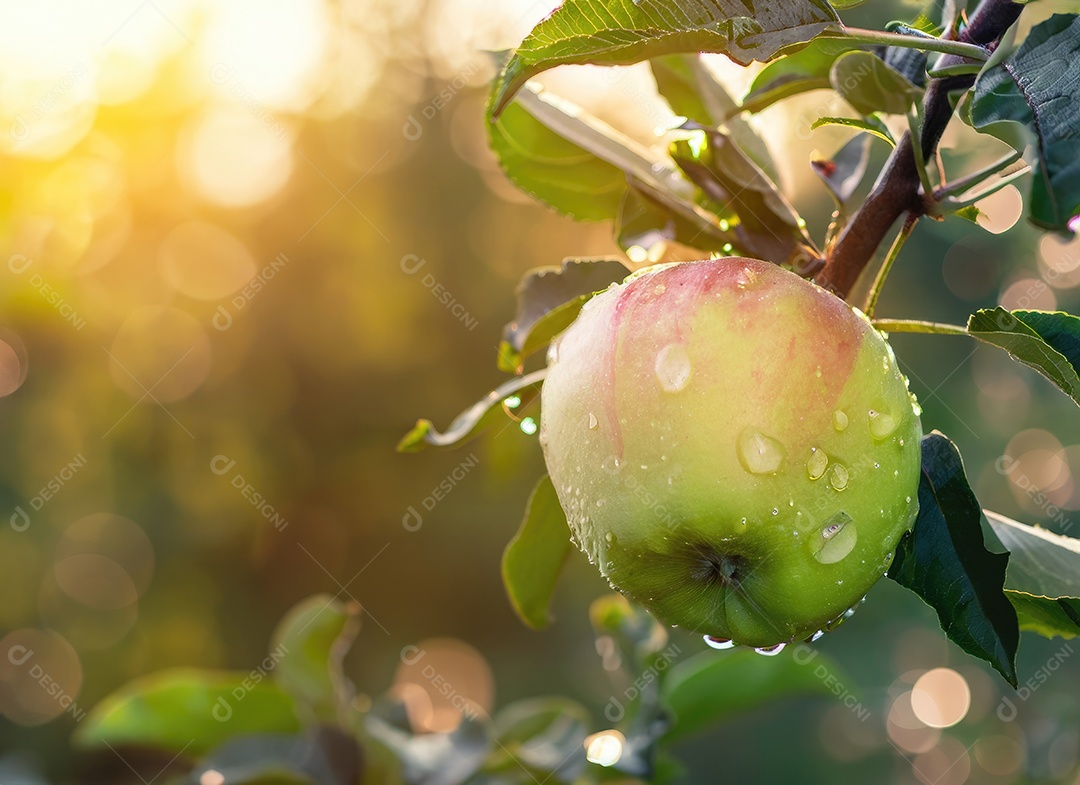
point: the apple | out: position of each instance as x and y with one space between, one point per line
733 446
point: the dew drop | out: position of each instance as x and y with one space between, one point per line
771 651
673 367
593 422
907 499
839 420
775 510
882 424
528 426
837 539
816 636
838 478
758 453
719 643
553 352
601 502
816 463
609 538
745 278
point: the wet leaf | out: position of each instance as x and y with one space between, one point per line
954 562
482 414
535 556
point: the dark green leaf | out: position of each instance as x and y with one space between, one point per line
1043 581
553 170
870 125
548 300
189 710
805 70
622 32
534 558
868 84
712 687
311 640
843 173
1036 86
485 412
1048 342
953 561
765 225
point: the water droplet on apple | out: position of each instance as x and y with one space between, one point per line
601 502
817 463
553 352
719 643
593 422
816 636
907 499
673 368
758 453
609 538
771 651
882 424
775 510
838 478
837 540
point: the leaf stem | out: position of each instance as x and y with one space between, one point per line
913 120
960 204
890 259
961 69
915 326
959 48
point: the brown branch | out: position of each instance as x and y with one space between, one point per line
898 189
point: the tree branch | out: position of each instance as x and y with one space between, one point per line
899 189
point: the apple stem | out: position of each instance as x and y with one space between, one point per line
899 188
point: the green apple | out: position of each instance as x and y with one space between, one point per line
733 446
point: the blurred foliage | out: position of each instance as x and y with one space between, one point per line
244 245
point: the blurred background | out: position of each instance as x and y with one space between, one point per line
245 245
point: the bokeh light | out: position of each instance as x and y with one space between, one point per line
940 698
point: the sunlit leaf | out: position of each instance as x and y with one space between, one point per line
870 125
190 711
800 72
865 81
534 558
767 226
953 561
711 688
548 300
1043 580
1046 341
311 641
485 412
1036 87
621 32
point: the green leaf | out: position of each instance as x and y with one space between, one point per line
548 300
766 226
553 170
869 85
326 757
534 558
189 710
312 639
622 32
693 92
710 688
1043 580
433 758
845 170
953 561
805 70
545 735
1047 341
1036 86
1047 617
871 125
482 414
